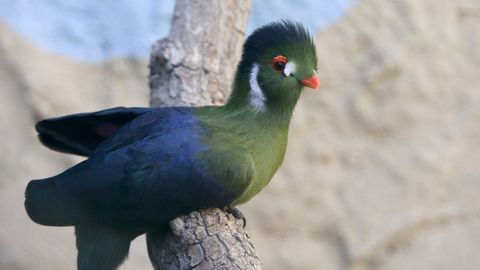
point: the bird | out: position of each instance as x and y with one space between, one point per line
147 166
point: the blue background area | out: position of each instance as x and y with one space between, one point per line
93 30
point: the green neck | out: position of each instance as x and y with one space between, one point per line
275 112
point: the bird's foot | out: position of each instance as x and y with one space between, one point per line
237 214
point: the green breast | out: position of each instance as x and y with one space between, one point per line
268 156
262 137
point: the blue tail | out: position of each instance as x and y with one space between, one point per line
101 247
46 205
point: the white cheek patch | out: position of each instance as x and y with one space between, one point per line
289 68
257 98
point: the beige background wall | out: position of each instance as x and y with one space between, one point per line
383 165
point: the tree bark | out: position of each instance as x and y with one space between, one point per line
205 239
195 66
196 63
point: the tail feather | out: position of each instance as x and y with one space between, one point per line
102 247
46 205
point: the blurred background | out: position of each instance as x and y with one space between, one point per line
383 165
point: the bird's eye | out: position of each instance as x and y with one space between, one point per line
279 62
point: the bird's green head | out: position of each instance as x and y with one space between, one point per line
278 61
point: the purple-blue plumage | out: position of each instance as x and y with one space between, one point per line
147 173
81 133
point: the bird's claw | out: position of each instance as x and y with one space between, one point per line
237 214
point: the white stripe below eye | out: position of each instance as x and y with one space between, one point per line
289 68
257 98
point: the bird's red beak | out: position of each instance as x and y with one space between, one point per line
311 82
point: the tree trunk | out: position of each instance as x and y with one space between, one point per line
195 66
196 63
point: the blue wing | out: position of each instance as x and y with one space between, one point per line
81 133
152 170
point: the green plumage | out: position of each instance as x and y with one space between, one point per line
252 144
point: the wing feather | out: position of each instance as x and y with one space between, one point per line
81 133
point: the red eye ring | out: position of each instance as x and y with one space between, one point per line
279 62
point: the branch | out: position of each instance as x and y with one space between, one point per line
206 239
195 66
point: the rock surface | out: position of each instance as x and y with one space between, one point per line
35 85
382 166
